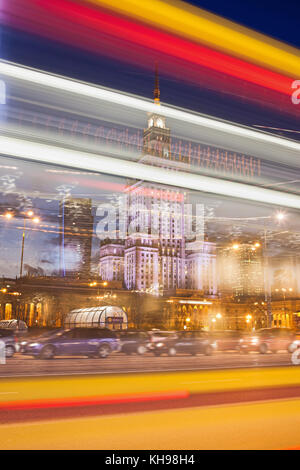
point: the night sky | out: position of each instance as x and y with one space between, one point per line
274 18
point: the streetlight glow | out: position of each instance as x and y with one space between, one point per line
280 216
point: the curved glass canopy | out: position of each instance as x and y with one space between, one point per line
108 316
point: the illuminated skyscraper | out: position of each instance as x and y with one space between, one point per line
112 260
75 238
201 267
155 245
156 257
240 268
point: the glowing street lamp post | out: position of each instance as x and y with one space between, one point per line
268 299
36 220
284 290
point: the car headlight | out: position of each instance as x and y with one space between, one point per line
33 344
254 340
159 345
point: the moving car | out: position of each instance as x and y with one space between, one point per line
10 340
133 342
18 326
269 339
228 340
295 345
186 342
91 342
31 337
158 336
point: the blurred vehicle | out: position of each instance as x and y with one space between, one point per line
11 342
158 336
185 342
133 342
18 326
91 342
269 339
295 345
228 340
37 335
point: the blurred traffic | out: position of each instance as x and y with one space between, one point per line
101 342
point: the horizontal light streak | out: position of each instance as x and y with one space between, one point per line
195 302
161 42
98 93
102 33
52 155
212 30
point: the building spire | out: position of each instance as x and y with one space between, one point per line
156 88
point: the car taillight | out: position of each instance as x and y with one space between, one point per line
16 339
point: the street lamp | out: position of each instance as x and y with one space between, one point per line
279 216
248 319
29 214
284 290
36 220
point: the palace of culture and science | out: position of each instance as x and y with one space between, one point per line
156 255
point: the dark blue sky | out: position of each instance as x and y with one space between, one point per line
277 18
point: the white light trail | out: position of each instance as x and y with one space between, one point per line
96 92
53 155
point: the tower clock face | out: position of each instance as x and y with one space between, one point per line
159 122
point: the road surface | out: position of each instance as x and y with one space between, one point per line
21 365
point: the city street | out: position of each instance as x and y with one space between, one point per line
21 365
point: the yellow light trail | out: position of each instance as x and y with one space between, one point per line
43 388
209 29
266 425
